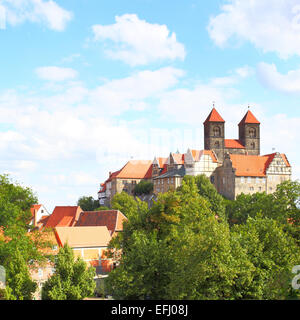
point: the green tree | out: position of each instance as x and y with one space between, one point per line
18 248
127 204
207 190
273 253
72 279
143 187
88 203
178 249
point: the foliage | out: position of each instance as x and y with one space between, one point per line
143 187
207 190
183 248
88 203
18 247
127 204
72 279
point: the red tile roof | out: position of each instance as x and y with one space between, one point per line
64 216
212 154
214 117
249 118
112 219
252 166
136 169
198 153
178 158
233 144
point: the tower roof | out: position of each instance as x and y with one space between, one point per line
214 117
249 118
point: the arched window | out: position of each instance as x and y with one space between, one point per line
217 144
252 133
217 131
252 145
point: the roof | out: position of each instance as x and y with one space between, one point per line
82 237
214 116
253 166
249 118
63 216
233 144
176 172
34 208
112 219
197 154
160 161
178 158
136 169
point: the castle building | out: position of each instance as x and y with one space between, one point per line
249 174
214 136
234 166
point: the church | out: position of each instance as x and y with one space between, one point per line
234 166
241 168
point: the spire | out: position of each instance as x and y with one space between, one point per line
249 118
214 116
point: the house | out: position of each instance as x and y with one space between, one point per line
112 219
200 162
125 179
89 243
38 212
251 173
63 216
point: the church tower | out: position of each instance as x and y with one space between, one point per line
214 134
249 133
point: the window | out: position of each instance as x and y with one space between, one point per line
40 273
257 180
252 133
212 179
168 180
223 180
242 180
217 131
251 188
249 180
217 144
252 145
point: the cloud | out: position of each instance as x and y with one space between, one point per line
56 73
36 11
270 77
138 42
273 26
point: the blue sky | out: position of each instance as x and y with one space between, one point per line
87 85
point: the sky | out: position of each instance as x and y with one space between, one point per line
87 85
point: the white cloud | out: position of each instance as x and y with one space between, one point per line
53 73
270 77
139 42
273 26
37 11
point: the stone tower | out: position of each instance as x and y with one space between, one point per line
249 133
214 134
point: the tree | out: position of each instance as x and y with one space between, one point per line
143 187
72 279
207 190
127 204
273 253
178 249
18 248
88 203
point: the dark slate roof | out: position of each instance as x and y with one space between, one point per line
176 172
